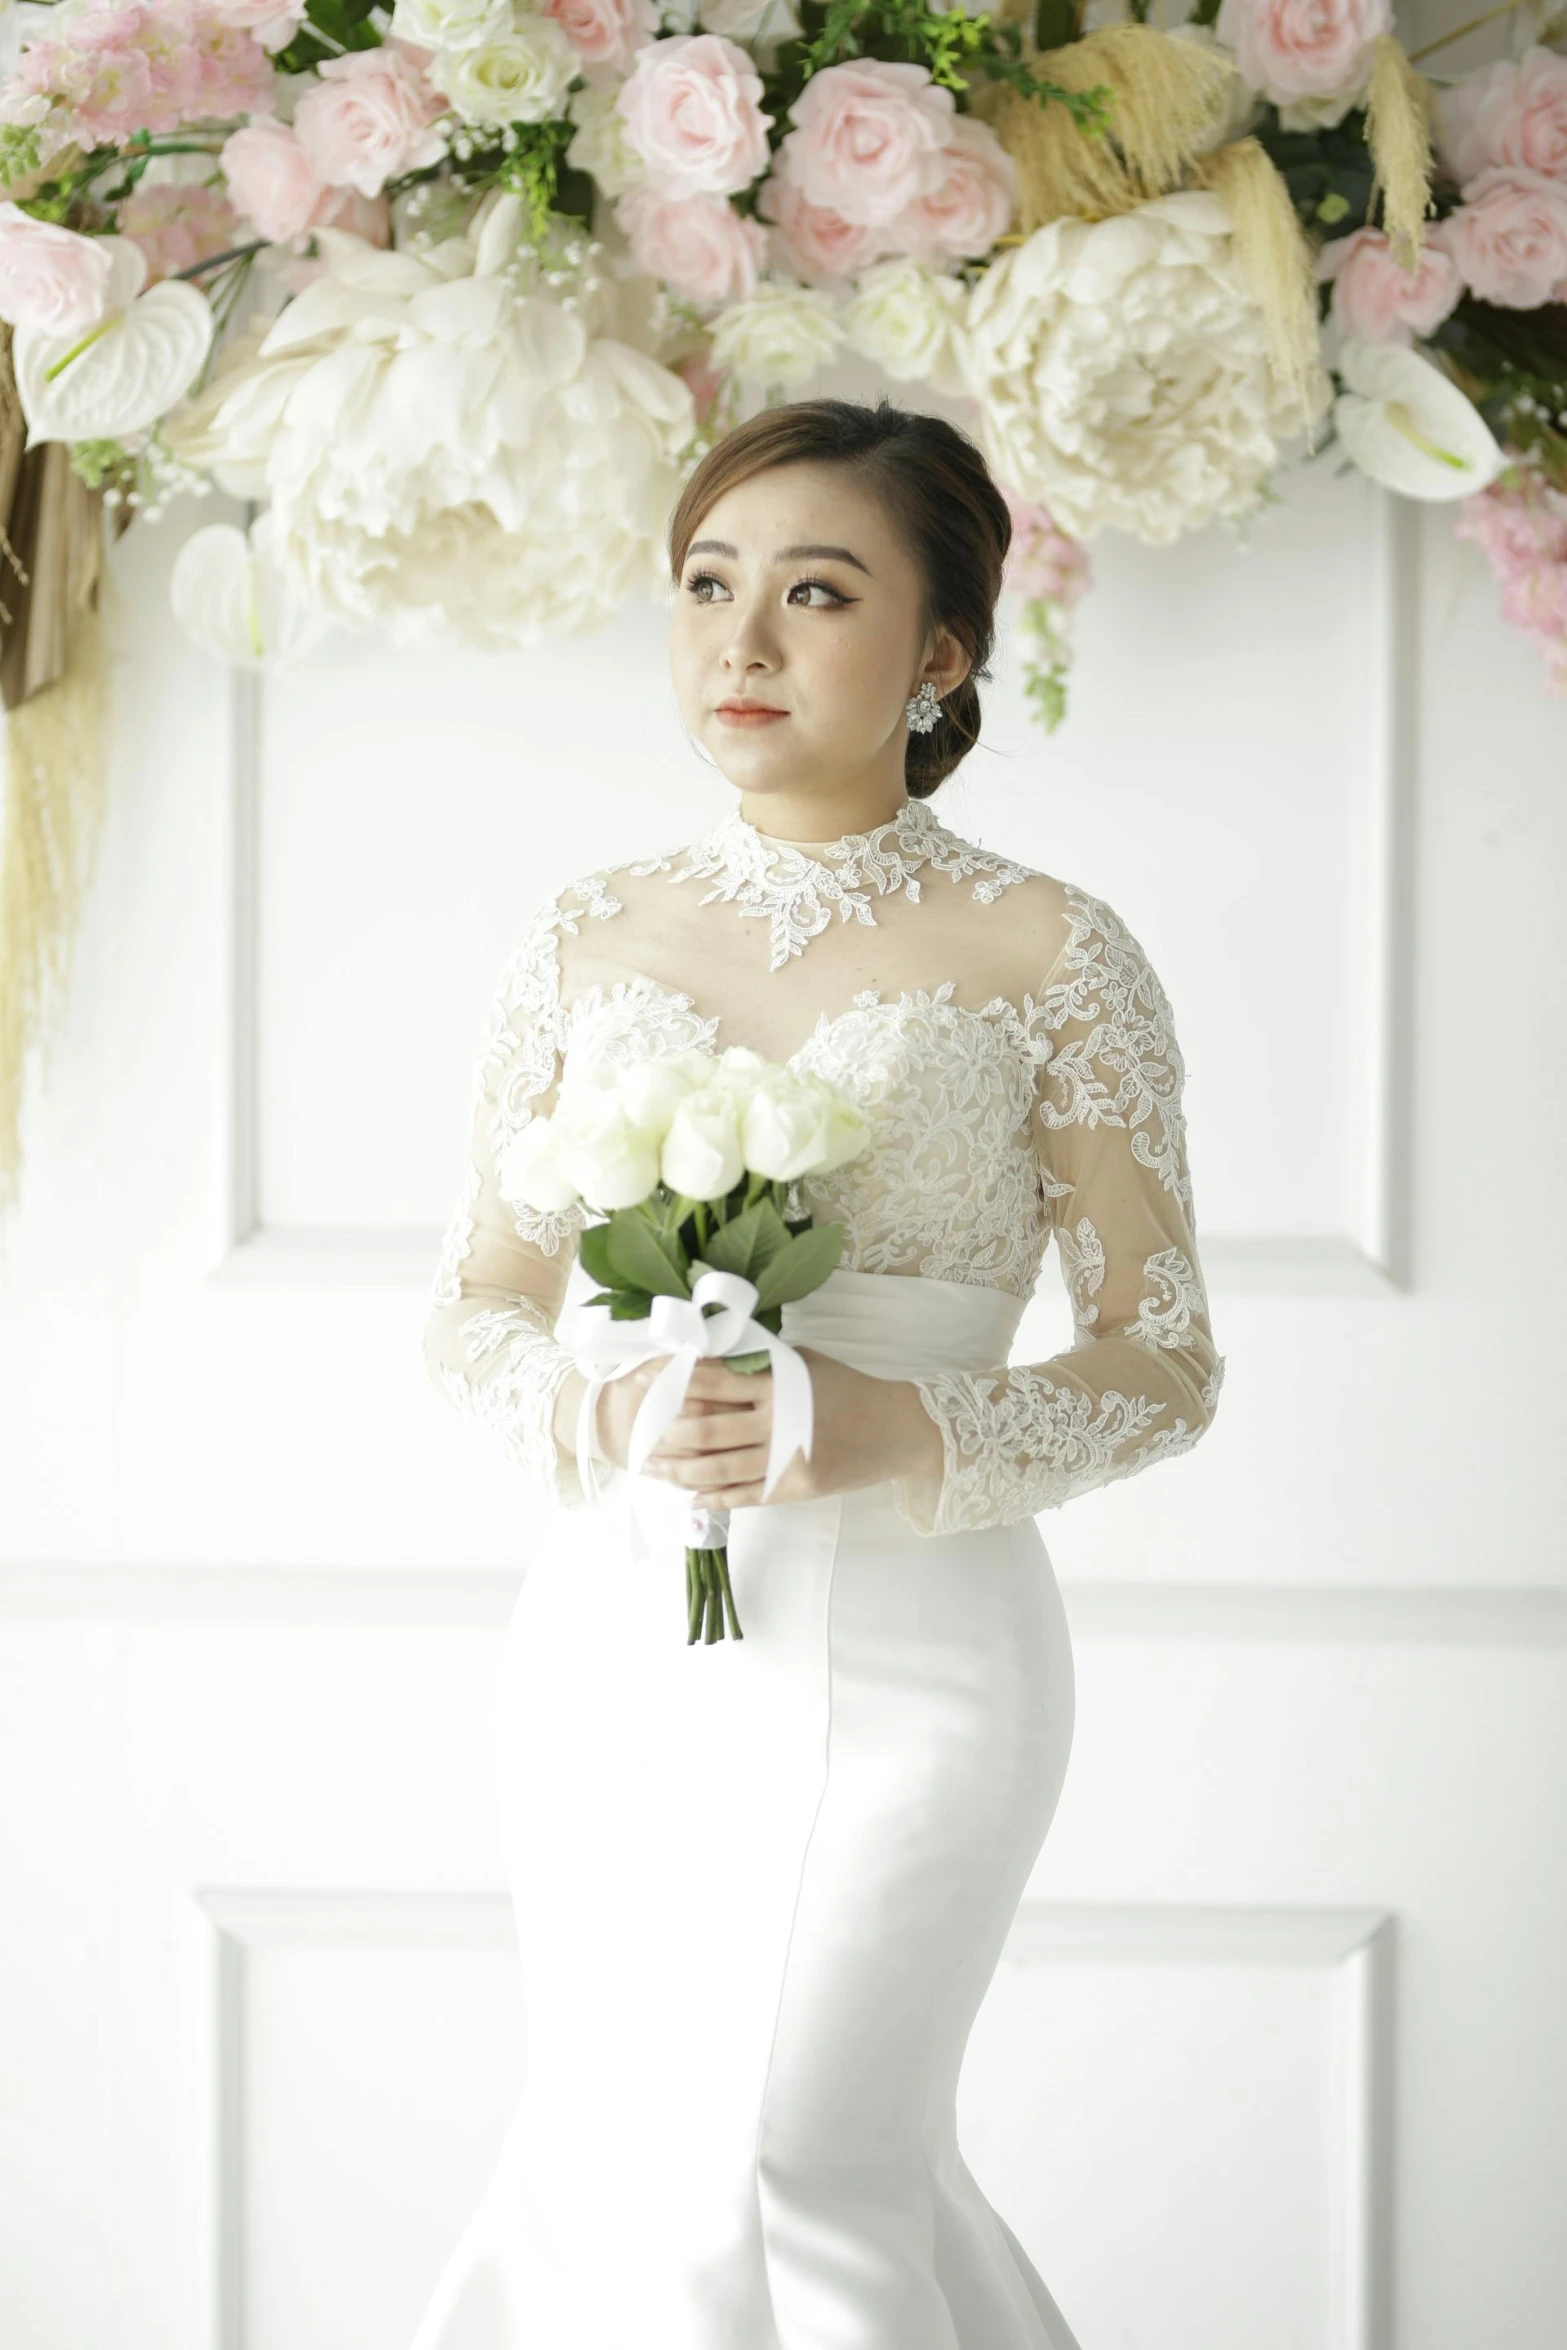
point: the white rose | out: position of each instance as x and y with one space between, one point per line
1323 114
600 1146
521 75
1121 372
600 146
751 21
651 1090
528 1170
781 334
450 24
910 321
702 1156
798 1125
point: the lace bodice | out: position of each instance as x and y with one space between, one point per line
1016 1057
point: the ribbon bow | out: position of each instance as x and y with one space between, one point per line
605 1349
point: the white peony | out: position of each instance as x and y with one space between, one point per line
911 321
600 146
446 453
1121 372
781 334
450 24
521 75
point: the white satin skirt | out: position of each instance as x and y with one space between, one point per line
761 1887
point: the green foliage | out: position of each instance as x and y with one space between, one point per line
18 153
329 27
534 169
907 32
1055 23
801 1266
747 1243
1513 364
1328 173
102 464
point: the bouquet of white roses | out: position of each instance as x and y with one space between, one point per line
690 1156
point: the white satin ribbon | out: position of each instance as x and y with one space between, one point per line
605 1349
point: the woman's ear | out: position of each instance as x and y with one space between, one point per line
947 664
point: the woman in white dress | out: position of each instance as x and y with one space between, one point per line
762 1885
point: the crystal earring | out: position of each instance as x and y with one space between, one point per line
923 709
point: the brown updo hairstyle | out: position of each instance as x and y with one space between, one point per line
937 489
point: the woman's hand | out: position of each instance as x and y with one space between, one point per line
863 1430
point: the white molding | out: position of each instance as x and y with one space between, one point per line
1373 1258
239 1134
1356 1945
403 1260
1528 1616
225 1923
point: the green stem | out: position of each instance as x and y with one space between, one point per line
219 260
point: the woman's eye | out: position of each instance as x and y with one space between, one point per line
826 591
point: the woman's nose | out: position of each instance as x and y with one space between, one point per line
749 639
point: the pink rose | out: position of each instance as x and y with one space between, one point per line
870 139
699 245
369 217
972 206
1512 112
369 118
272 180
811 242
692 110
608 35
51 280
1375 301
1509 237
1302 48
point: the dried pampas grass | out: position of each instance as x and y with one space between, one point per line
1169 97
1399 115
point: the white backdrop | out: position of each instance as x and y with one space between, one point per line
1275 2060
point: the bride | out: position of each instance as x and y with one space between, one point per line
761 1886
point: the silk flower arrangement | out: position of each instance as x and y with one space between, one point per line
690 1157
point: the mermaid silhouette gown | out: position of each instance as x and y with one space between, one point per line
761 1887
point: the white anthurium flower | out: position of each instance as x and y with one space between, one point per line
1408 425
122 374
231 602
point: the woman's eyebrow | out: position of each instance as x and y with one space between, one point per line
784 555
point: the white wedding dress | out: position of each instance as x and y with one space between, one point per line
762 1885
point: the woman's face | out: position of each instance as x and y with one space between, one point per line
798 595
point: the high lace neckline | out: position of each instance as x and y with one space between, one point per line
799 885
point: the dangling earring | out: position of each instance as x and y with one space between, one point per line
922 710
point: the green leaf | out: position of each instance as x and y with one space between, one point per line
645 1257
801 1266
748 1243
593 1249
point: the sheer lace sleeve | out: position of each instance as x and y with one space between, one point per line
503 1270
1141 1380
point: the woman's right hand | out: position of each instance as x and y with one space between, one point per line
619 1401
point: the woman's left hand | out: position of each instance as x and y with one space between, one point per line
863 1430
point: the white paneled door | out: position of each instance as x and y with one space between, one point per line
1276 2057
